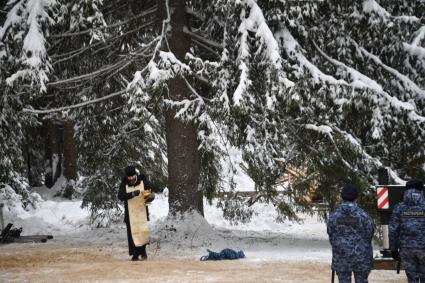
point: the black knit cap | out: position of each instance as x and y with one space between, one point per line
349 192
415 184
130 170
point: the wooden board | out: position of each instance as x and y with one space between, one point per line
138 217
384 264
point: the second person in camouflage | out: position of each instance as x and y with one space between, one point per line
350 231
407 232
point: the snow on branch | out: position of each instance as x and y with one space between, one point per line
30 18
358 79
361 81
354 144
323 129
103 27
368 159
409 84
140 82
419 37
371 6
255 22
327 131
66 108
165 69
415 48
293 49
202 67
188 109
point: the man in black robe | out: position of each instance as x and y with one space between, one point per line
132 178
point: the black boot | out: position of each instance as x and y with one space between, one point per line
143 255
135 257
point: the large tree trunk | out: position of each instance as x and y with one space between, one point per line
182 145
69 160
34 158
69 152
53 160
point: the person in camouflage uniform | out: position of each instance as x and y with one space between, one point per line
407 232
350 231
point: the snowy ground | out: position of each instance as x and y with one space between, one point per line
282 252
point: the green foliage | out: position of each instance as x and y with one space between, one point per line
334 89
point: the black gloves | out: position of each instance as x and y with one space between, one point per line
395 254
136 193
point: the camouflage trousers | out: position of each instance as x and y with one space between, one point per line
359 277
414 263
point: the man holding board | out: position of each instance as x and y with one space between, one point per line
136 192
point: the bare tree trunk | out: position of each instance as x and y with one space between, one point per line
69 152
33 149
182 145
69 160
53 160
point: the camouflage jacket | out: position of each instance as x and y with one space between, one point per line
350 231
407 222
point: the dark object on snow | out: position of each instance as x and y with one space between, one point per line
224 254
5 232
9 235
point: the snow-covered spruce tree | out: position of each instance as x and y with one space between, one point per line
332 88
365 109
361 106
329 87
86 59
114 132
24 66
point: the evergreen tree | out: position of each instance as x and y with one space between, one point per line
334 89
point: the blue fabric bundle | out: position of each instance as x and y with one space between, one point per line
224 254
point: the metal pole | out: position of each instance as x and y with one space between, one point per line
386 240
384 179
1 216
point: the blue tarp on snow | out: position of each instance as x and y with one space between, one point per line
224 254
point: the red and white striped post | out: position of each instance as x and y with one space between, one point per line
382 198
383 203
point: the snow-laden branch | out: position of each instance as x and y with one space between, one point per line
409 84
203 69
358 79
30 17
255 22
361 81
114 68
66 108
371 6
72 54
414 50
151 66
356 145
144 13
365 156
293 49
419 37
327 131
87 76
